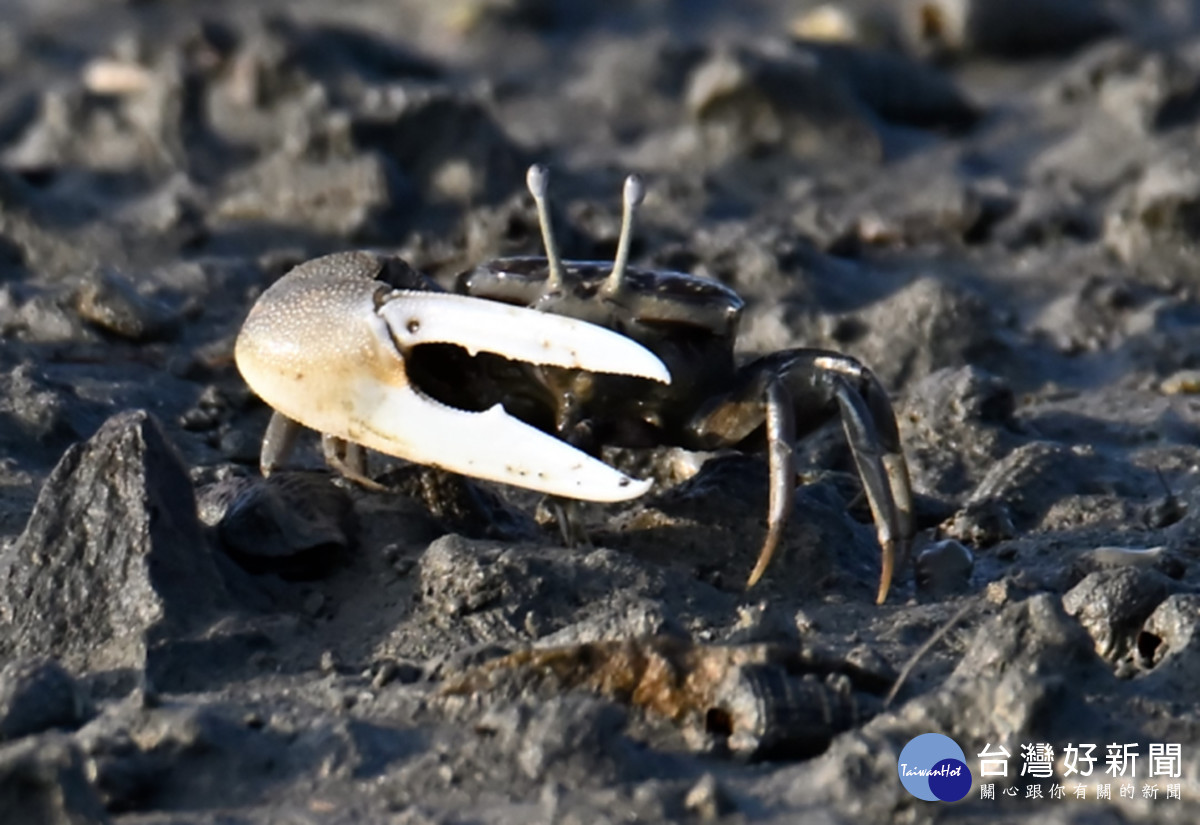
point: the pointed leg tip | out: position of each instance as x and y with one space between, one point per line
886 573
764 557
774 533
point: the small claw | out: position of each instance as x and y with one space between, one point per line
326 349
515 332
799 387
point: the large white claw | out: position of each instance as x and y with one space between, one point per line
328 352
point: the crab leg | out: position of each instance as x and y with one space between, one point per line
818 377
814 385
781 436
884 475
325 347
278 442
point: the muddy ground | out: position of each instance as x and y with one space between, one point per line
995 205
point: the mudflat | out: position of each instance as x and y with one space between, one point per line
995 206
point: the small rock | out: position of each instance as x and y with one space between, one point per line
1184 382
944 568
1113 604
866 25
313 603
37 695
42 781
422 130
1034 630
982 523
965 404
1036 476
34 408
951 326
113 559
762 622
110 301
572 727
716 518
389 671
897 88
1021 667
962 395
497 593
460 504
457 580
746 101
1150 227
707 800
1169 645
341 197
296 524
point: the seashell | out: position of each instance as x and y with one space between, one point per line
1126 556
764 712
756 701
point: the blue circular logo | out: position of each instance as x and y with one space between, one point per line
933 767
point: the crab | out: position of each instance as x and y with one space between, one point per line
533 364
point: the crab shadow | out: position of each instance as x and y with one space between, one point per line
340 597
713 525
205 756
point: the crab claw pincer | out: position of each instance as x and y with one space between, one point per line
326 344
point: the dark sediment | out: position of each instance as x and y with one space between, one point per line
992 204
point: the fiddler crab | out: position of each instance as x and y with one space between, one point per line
533 364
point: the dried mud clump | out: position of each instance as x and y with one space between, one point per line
992 204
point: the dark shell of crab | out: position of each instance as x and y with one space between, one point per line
689 322
647 296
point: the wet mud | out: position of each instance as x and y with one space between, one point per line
994 205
